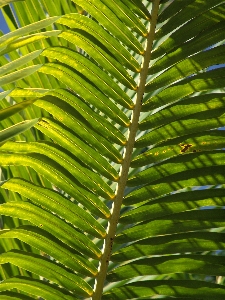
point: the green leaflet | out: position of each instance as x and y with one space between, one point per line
86 67
12 77
34 287
86 134
96 50
18 42
19 62
14 296
194 264
170 204
44 267
28 15
173 9
194 124
86 89
208 140
4 94
193 161
176 223
179 288
53 201
200 82
59 176
61 230
51 103
202 41
48 244
5 39
205 176
189 10
188 67
138 8
58 133
87 178
172 244
72 119
111 22
91 27
103 126
12 131
126 16
182 109
28 93
7 112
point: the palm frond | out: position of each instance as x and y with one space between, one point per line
117 190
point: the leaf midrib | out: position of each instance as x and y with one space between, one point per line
125 166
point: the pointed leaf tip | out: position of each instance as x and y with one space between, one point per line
14 130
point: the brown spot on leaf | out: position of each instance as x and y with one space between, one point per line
185 147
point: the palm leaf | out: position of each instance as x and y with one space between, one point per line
117 192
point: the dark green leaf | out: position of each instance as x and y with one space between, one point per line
52 224
195 264
176 288
172 244
45 267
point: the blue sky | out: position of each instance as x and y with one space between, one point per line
3 26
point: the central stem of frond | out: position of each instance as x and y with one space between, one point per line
115 213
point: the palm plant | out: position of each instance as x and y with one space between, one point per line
114 110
